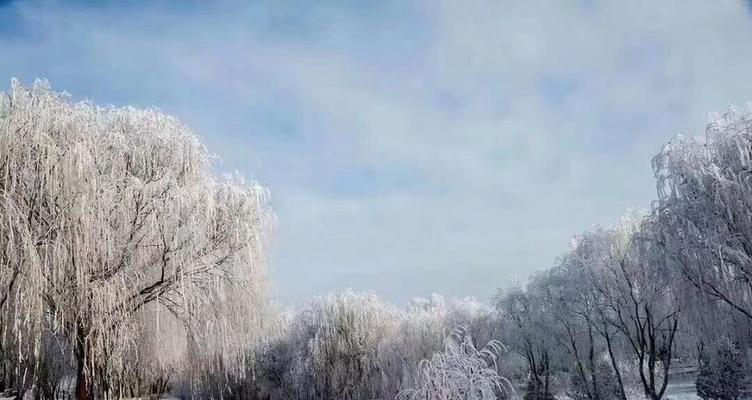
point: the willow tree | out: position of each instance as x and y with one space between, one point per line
115 229
630 271
705 208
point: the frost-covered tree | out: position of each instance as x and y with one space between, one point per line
583 268
343 355
427 321
577 326
114 229
461 372
528 316
630 292
332 348
607 311
639 297
705 208
353 345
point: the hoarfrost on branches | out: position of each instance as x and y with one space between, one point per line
118 240
461 372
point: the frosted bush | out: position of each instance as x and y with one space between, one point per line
461 372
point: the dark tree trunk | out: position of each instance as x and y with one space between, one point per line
83 389
591 362
614 364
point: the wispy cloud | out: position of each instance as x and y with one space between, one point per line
443 146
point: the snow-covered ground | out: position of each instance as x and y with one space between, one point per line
682 391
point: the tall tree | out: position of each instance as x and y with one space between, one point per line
585 267
705 208
639 299
528 315
115 221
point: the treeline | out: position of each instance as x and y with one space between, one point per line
355 346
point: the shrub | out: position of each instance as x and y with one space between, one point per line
461 372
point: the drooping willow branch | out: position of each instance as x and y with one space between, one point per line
114 223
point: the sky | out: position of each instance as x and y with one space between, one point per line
410 147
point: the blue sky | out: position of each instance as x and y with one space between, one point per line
410 146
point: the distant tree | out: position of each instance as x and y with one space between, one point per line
353 345
529 317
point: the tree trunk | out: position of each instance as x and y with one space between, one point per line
591 362
615 364
83 389
580 368
546 363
